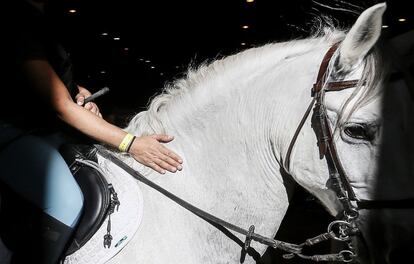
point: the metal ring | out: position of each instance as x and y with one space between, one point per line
333 234
351 214
344 253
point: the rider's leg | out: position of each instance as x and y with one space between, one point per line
36 171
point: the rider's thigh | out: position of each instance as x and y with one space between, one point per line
36 171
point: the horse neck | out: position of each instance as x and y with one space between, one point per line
246 103
233 129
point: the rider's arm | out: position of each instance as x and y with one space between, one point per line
147 150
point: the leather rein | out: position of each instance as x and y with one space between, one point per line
340 230
291 249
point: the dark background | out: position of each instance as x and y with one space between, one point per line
159 40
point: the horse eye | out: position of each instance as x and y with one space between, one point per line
359 132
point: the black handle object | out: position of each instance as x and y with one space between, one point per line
96 95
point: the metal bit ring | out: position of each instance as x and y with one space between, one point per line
339 223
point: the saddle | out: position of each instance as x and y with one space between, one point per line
100 198
100 201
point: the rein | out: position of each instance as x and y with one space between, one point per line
292 249
250 235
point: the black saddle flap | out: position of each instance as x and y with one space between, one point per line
97 196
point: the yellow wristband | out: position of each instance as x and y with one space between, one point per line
126 142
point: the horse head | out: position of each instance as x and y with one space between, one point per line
360 168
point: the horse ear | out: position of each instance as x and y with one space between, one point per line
361 37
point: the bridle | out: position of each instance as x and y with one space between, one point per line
327 148
340 230
338 179
320 124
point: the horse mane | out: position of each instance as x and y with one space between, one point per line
180 93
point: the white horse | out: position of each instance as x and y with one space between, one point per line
233 121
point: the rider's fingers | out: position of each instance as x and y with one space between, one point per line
93 108
80 99
89 106
171 154
170 161
165 165
155 167
162 138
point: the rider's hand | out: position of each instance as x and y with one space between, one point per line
80 98
149 151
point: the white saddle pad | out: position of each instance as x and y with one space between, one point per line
124 222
